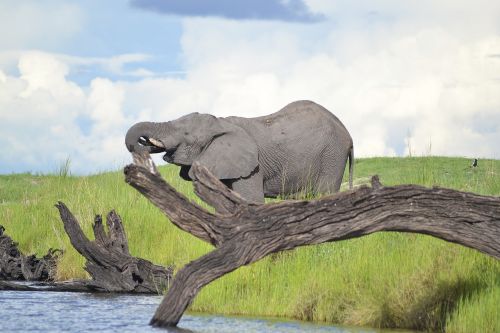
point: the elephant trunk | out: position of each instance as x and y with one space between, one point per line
137 137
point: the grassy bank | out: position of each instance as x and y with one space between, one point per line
382 280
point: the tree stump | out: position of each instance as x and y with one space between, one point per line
16 266
244 232
109 261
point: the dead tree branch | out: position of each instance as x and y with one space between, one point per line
244 233
16 266
109 261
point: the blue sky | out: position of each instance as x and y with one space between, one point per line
414 76
103 30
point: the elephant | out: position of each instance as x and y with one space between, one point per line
301 148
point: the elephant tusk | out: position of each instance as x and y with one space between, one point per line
156 143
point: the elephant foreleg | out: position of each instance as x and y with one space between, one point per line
251 188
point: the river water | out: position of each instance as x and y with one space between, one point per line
37 311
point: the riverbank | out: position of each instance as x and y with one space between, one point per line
382 280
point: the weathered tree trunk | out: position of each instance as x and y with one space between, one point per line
244 233
109 262
16 266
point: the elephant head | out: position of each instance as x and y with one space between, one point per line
224 148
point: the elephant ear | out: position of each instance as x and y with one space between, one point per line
230 155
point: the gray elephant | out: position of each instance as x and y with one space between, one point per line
301 148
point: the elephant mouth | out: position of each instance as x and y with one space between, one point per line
159 148
150 142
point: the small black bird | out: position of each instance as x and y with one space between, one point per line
474 164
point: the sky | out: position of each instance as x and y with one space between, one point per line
405 77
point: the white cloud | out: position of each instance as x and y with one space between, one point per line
29 109
105 105
40 112
44 73
116 65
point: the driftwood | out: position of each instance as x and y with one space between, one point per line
64 286
243 233
109 262
16 266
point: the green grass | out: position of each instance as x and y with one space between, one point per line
381 280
